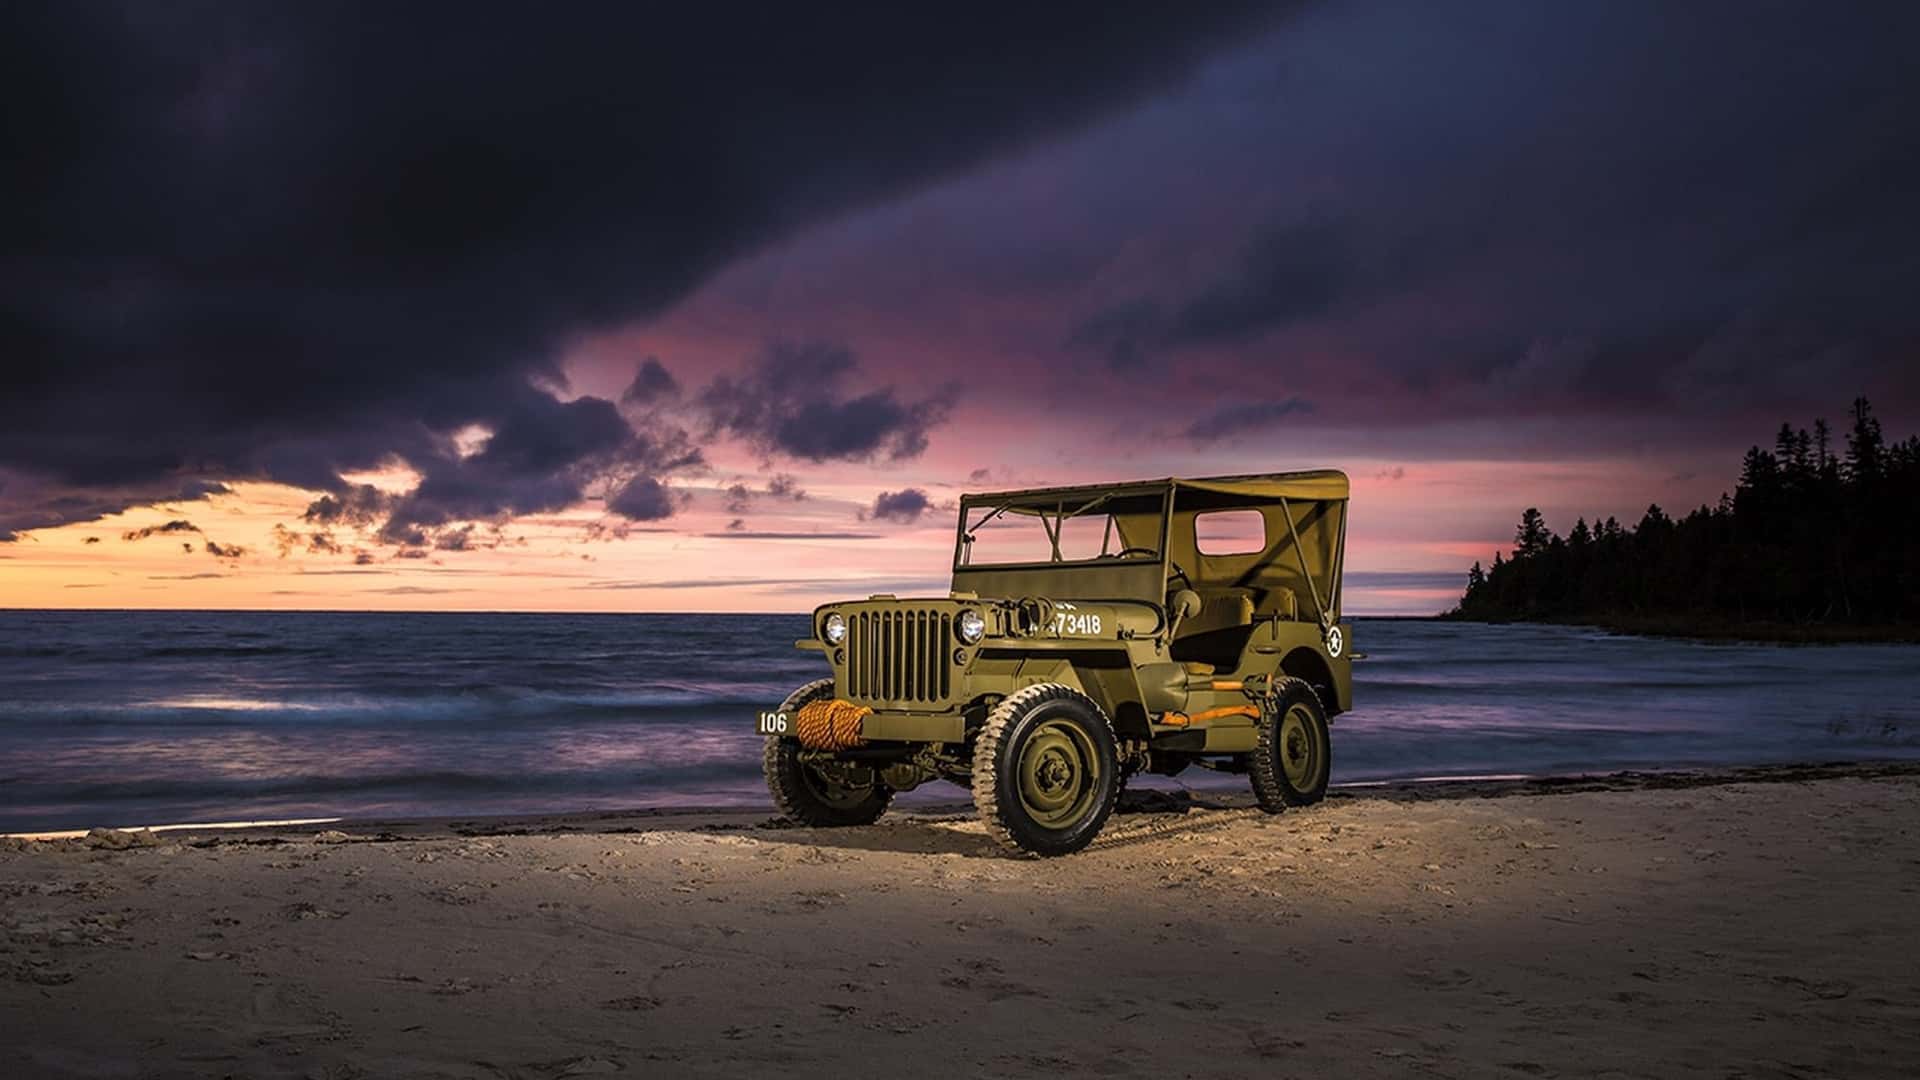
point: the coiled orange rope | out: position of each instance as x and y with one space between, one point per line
829 725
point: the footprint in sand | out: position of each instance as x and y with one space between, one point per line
635 1003
984 976
303 911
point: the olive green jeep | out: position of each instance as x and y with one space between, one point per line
1092 633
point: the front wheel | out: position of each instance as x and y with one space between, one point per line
1294 756
1045 770
823 795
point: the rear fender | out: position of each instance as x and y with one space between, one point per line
1308 664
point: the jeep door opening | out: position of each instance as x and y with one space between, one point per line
1092 633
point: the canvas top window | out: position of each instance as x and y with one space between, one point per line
1230 532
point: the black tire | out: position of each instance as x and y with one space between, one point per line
1294 757
804 796
1061 741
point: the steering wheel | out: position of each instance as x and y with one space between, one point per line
1179 573
1182 574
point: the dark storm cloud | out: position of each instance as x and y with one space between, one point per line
171 527
319 542
1290 272
249 242
738 498
903 506
1242 418
542 457
179 527
54 501
1123 332
643 498
786 486
810 401
1284 274
1640 209
354 504
460 539
651 383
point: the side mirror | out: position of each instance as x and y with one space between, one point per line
1185 605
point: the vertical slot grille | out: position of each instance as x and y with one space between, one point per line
900 654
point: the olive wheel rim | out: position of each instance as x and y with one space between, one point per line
1058 775
1298 748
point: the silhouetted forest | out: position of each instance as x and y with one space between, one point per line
1812 537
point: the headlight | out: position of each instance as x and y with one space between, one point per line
834 629
971 625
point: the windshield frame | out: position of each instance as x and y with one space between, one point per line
1089 499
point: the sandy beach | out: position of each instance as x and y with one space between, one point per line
1748 924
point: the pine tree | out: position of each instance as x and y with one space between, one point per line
1827 462
1532 535
1805 536
1864 444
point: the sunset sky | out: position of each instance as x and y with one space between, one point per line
474 307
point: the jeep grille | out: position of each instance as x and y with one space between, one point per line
899 654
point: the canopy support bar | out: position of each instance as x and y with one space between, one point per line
1313 587
1338 587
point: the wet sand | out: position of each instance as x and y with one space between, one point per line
1760 923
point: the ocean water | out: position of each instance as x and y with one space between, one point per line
111 718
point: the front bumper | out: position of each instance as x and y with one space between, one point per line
914 727
879 727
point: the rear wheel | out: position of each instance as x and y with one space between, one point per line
1045 770
820 794
1294 757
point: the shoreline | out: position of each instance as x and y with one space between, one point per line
1716 630
1133 801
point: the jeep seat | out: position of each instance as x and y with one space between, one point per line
1280 602
1218 632
1221 611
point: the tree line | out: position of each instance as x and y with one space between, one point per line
1810 536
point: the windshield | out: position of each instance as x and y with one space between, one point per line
1077 529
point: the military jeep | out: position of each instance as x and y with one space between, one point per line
1092 634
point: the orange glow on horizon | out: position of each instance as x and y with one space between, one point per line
780 555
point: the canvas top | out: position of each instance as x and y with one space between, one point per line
1315 484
